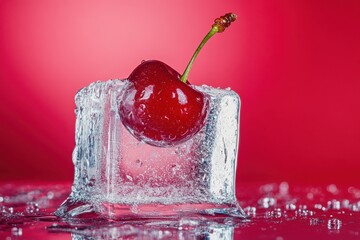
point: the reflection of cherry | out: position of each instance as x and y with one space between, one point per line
159 107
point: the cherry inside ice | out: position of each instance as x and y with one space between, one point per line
158 108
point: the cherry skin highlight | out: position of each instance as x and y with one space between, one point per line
158 108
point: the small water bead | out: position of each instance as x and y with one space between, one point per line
277 212
284 188
11 210
353 207
332 188
290 206
334 224
15 231
303 207
250 211
318 206
6 210
267 188
32 207
355 192
310 196
267 202
333 204
303 213
50 195
314 221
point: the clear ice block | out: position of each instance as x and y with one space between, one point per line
119 177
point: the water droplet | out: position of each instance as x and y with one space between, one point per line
250 211
314 221
11 210
318 206
332 188
16 231
333 204
354 191
50 195
354 207
303 207
32 207
267 202
334 224
277 212
345 203
303 212
310 196
290 206
6 210
283 188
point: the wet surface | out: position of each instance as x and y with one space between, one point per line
277 211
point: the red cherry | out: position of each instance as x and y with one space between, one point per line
158 108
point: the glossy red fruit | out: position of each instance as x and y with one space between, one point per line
158 108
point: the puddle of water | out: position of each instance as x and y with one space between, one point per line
277 211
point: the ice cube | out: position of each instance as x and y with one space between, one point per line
117 176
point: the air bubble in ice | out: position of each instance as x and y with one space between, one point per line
129 178
334 224
134 208
138 163
175 168
15 231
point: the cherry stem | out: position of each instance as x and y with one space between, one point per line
219 26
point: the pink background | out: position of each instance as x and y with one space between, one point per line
295 64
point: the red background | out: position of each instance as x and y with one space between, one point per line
295 64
